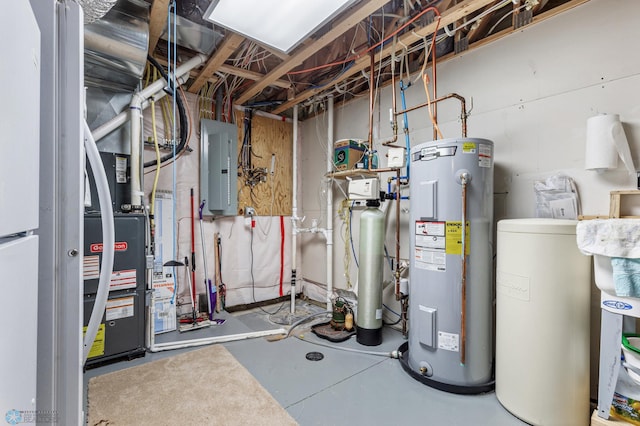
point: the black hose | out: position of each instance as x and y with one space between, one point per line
182 114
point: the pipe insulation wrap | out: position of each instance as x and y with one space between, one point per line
95 9
108 240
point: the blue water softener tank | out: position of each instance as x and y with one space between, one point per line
369 314
451 295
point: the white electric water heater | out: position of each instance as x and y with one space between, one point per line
451 295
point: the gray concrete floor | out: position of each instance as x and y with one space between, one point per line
343 388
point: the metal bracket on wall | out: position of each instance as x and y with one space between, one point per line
460 45
522 18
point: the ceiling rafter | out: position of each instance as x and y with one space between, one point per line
362 11
448 17
251 75
231 42
481 26
157 21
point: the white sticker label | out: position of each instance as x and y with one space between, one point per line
448 341
378 314
431 260
485 158
430 228
121 280
121 169
119 308
433 242
91 267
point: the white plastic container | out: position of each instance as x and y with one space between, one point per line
542 322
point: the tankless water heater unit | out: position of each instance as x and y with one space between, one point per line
451 295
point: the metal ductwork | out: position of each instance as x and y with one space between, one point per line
95 9
192 31
115 47
115 56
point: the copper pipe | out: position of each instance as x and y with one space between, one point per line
464 179
394 120
435 81
387 169
396 170
371 82
403 314
463 105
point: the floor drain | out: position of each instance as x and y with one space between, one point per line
314 356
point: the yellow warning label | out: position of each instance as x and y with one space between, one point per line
454 238
469 147
97 348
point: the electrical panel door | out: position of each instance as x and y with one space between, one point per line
219 168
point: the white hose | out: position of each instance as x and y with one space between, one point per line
108 240
392 354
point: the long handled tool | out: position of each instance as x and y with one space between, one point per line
193 252
211 290
194 311
219 284
194 322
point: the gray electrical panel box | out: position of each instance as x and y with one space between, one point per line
219 167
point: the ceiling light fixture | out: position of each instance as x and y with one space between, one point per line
281 24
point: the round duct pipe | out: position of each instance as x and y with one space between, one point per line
95 9
115 46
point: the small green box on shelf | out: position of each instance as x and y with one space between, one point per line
348 153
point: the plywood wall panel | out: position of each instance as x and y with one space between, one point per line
268 137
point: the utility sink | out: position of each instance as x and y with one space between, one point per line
603 274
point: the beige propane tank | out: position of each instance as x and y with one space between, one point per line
542 322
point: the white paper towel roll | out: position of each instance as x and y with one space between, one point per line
606 141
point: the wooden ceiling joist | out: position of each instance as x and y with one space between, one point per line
157 21
251 75
228 46
477 31
448 17
360 12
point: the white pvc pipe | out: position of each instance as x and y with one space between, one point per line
294 210
152 346
108 241
117 121
265 114
154 89
329 230
135 109
158 347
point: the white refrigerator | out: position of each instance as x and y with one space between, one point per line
41 170
19 211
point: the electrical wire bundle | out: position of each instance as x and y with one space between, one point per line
182 115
